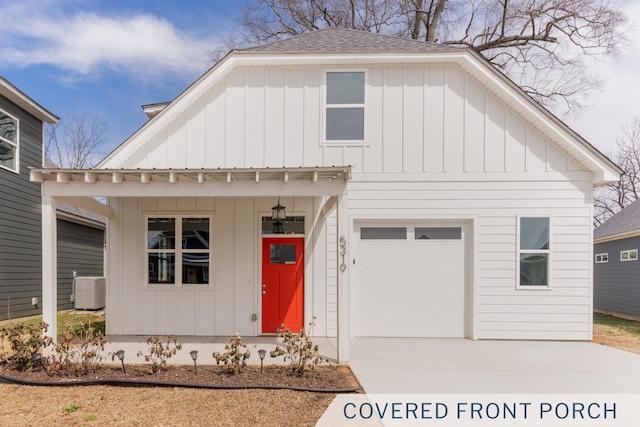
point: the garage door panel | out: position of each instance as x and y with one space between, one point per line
382 300
414 324
411 288
410 255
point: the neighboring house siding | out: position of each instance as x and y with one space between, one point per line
617 283
80 249
20 223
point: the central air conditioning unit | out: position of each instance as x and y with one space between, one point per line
89 293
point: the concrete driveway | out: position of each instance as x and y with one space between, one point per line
416 365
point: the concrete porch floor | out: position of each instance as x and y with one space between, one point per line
206 346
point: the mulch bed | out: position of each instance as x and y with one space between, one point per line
322 377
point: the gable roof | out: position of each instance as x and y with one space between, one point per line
339 47
19 98
334 39
625 223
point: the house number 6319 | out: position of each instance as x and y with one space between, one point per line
343 252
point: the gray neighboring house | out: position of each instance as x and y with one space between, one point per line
21 147
80 248
80 234
616 266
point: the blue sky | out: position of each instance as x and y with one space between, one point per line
109 57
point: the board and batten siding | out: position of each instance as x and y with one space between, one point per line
80 249
617 283
228 304
446 122
20 222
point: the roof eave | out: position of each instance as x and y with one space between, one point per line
604 169
21 99
617 236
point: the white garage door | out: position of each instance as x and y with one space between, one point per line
409 281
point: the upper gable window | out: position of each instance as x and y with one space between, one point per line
8 142
344 118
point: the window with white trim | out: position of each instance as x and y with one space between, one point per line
8 142
344 106
383 233
533 251
602 258
629 255
178 250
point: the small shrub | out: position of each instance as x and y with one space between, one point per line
90 417
298 349
24 340
159 352
71 407
79 350
235 355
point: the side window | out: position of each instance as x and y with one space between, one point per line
344 106
629 255
8 142
602 258
533 251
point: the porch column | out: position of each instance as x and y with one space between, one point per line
343 278
49 265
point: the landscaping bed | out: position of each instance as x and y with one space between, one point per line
323 378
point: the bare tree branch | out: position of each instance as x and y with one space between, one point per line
74 142
611 198
520 37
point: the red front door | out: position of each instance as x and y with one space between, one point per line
282 283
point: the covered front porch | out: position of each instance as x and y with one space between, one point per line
153 287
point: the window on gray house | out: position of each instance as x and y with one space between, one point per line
8 142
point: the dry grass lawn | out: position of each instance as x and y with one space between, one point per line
616 332
115 406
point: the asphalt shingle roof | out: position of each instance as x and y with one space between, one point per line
628 219
80 213
345 40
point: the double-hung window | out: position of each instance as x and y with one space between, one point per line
8 142
178 250
344 106
533 251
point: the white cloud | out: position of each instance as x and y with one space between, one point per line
83 43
